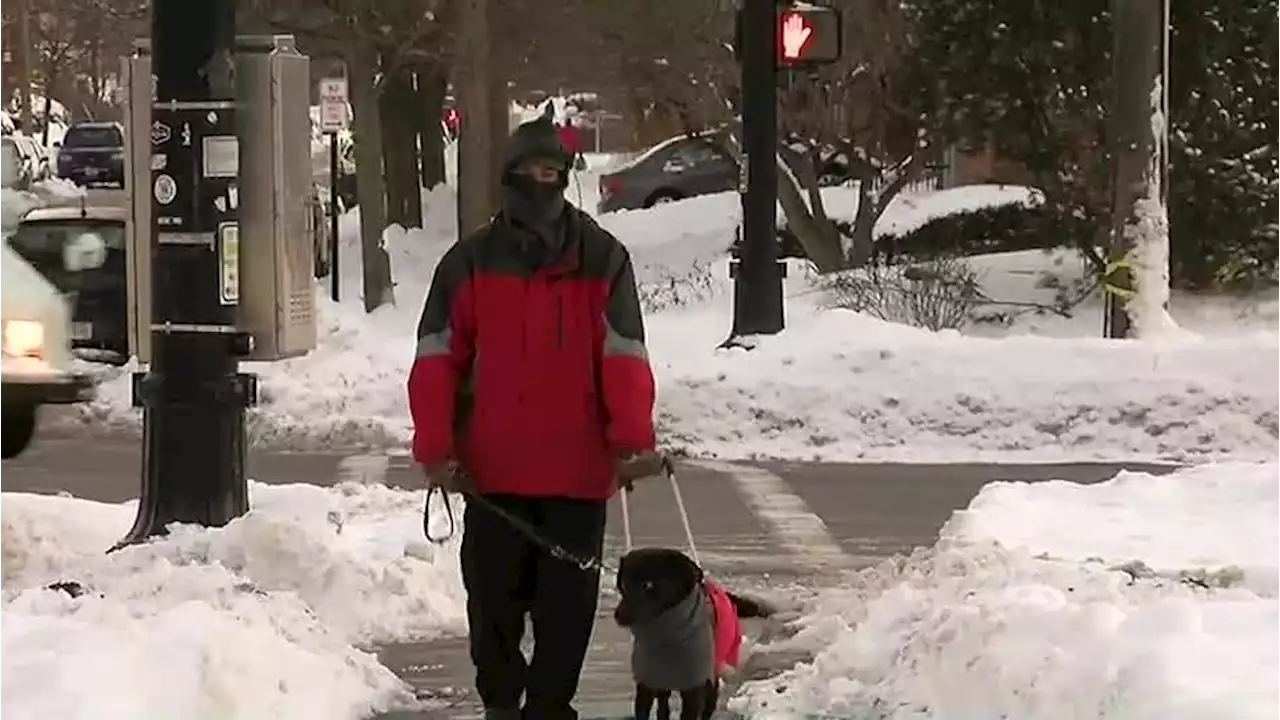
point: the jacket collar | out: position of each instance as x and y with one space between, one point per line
572 226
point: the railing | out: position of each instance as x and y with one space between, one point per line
933 178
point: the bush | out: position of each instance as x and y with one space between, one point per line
937 294
1000 228
673 291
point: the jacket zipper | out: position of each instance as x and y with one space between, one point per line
559 322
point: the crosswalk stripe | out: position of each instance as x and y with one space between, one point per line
369 469
787 516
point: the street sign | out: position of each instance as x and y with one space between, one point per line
333 105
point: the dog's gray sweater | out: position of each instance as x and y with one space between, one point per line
676 650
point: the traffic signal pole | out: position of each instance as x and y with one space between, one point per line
757 290
193 399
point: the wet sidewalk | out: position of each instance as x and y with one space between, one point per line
734 545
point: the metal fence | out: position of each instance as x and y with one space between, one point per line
936 176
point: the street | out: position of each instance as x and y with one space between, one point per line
774 529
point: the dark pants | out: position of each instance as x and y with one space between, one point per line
508 576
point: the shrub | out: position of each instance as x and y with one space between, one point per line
937 294
999 228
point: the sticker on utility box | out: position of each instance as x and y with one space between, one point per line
165 188
220 156
229 263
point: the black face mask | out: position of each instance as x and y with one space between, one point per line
532 203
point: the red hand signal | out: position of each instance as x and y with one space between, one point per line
795 35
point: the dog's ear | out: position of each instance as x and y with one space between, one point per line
622 614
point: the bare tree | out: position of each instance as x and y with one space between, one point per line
860 110
673 57
374 39
73 50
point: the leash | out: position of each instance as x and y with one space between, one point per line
557 550
668 469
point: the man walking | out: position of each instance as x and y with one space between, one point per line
532 388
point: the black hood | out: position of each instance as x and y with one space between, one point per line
536 139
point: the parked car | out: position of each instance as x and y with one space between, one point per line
685 166
81 249
16 173
92 154
678 168
35 157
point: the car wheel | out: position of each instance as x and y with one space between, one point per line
662 197
19 426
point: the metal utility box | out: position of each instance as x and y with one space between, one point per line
273 126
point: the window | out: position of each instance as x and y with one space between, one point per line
49 236
697 152
96 136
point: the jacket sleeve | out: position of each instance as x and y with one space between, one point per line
626 377
445 347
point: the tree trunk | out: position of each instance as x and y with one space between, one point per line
396 109
819 237
23 41
1138 285
499 128
862 238
370 191
433 85
474 169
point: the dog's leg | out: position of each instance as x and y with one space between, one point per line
644 702
713 699
693 703
664 705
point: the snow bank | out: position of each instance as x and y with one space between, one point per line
841 386
834 386
261 618
977 629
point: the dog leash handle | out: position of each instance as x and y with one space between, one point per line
448 511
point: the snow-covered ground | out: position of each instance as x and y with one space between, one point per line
269 617
835 385
1141 598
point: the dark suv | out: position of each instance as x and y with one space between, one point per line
92 155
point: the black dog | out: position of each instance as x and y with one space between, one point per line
673 613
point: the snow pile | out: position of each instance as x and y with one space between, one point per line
983 627
840 386
261 618
833 386
16 203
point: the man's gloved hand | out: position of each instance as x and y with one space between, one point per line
638 466
448 476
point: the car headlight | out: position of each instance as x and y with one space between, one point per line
23 338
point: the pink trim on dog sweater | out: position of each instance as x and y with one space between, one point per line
727 626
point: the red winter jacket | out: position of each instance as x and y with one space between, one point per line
534 380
